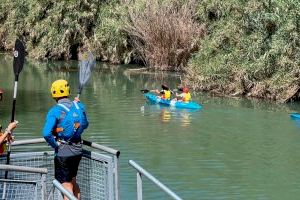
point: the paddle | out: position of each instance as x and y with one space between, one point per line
1 94
19 57
144 91
86 66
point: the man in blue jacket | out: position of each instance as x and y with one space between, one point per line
65 122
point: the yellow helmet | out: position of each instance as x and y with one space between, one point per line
60 88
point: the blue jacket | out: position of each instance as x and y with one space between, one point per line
53 118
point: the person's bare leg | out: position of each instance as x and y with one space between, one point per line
76 189
68 186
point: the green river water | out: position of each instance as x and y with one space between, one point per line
231 149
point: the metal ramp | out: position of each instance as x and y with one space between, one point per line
98 176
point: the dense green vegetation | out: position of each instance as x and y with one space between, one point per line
252 48
56 29
239 47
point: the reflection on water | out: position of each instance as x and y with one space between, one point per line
185 118
167 114
296 122
231 149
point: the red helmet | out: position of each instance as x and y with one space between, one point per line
185 90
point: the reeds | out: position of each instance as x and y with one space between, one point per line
163 33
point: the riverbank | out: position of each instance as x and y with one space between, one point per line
232 48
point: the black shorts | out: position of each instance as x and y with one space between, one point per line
66 167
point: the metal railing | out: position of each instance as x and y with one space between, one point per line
114 152
142 172
58 186
23 189
98 174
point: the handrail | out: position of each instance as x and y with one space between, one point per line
17 181
85 142
23 169
61 188
101 147
142 171
29 141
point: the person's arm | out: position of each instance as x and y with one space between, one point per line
155 91
48 128
179 96
3 136
8 131
85 122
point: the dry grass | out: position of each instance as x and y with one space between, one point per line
164 33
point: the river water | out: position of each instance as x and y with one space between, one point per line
231 149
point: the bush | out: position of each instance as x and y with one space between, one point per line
163 33
252 48
56 29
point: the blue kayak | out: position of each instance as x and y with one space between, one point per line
178 104
295 115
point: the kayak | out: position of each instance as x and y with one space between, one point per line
173 103
295 115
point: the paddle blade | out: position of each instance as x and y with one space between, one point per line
19 57
145 91
86 66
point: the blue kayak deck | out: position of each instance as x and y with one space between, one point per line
295 115
173 103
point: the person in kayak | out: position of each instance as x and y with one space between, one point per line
185 96
65 123
6 136
165 93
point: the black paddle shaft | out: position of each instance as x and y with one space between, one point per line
147 90
19 57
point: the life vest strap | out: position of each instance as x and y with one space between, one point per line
60 129
69 142
63 106
76 105
76 125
